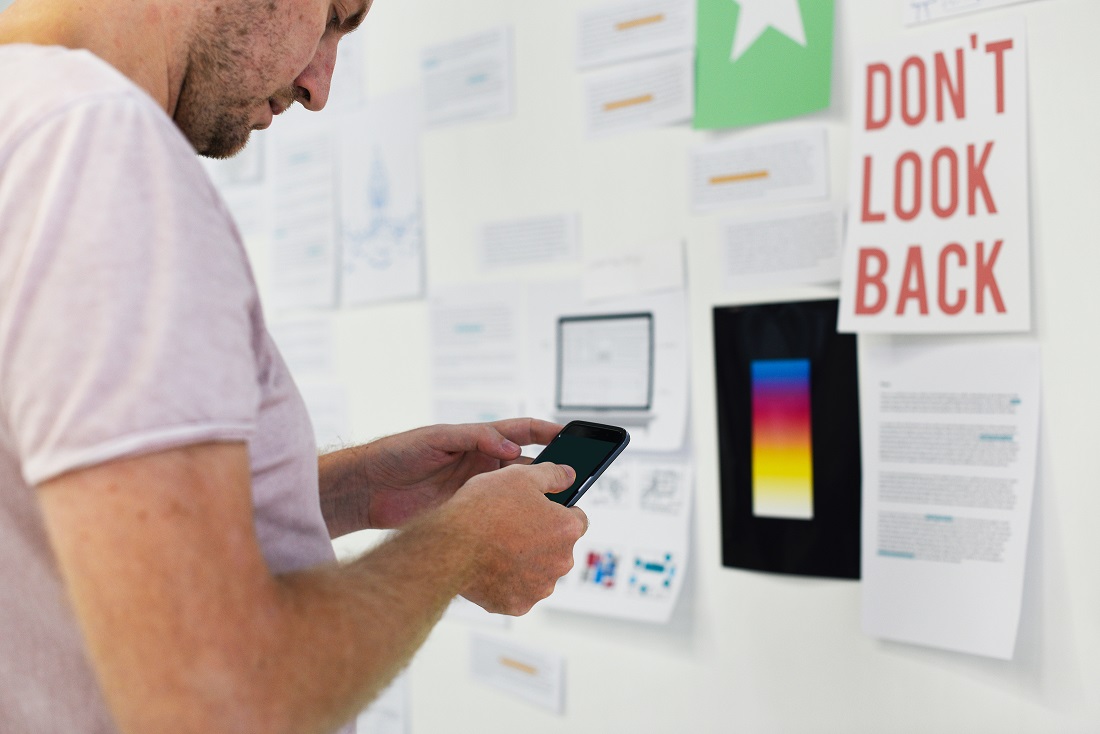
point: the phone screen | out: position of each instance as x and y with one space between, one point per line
586 450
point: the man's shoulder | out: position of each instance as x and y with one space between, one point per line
44 81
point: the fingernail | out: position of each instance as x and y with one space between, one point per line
509 446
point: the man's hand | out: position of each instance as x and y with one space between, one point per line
393 479
524 543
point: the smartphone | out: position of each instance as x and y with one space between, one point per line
587 447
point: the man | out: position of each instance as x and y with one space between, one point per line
165 561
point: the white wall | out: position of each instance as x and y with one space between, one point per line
749 652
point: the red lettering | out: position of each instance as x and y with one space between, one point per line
868 215
913 62
960 302
865 280
912 283
882 71
999 48
956 91
976 180
907 215
941 155
985 280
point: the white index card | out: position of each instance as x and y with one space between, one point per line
624 31
469 78
530 241
756 169
642 94
535 676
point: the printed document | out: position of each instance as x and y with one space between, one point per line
950 436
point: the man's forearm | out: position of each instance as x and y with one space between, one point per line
355 627
343 490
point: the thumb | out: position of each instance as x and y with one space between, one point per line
557 477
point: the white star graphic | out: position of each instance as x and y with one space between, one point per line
757 15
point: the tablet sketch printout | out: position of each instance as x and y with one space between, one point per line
605 362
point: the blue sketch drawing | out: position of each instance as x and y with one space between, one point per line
388 239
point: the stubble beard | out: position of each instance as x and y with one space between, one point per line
211 112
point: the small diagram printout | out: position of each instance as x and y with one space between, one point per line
380 202
631 562
622 361
950 437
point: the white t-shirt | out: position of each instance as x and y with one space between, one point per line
129 323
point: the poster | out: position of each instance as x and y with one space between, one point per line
788 439
762 60
938 239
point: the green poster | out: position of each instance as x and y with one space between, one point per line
762 60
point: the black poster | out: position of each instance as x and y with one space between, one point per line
788 434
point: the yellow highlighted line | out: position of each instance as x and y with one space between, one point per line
648 20
645 98
737 177
517 665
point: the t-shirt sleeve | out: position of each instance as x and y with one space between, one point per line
128 314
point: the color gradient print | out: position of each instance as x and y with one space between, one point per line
782 443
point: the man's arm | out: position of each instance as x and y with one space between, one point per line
188 631
385 483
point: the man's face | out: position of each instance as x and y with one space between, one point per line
251 59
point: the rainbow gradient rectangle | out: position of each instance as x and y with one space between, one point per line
782 439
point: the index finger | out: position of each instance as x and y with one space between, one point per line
525 431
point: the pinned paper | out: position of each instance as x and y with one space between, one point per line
762 60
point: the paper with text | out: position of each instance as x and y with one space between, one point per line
641 268
303 252
469 78
760 168
641 94
477 352
925 11
949 440
790 247
533 675
624 31
530 241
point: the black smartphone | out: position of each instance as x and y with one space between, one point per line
587 447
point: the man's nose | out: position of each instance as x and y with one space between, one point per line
313 84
